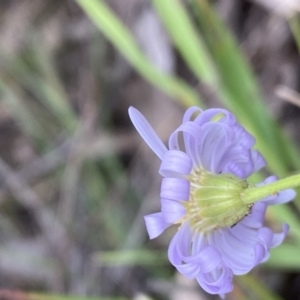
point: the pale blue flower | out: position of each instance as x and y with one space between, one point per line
213 143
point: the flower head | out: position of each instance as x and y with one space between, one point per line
204 168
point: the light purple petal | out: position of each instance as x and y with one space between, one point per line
265 236
219 282
244 233
256 218
258 161
237 161
244 138
236 253
203 258
208 258
175 189
182 239
175 164
155 224
213 145
279 237
191 132
172 210
261 254
147 132
270 179
281 198
209 114
190 112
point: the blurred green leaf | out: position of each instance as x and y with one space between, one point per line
39 76
240 92
120 37
38 296
187 40
256 289
139 257
12 99
285 257
294 23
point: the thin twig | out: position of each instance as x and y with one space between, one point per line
288 95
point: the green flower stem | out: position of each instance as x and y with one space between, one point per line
254 194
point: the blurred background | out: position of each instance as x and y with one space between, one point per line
75 177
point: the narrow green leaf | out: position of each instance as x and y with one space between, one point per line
186 39
240 92
256 289
294 23
106 21
139 257
13 102
285 257
38 296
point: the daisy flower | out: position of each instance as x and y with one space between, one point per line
204 170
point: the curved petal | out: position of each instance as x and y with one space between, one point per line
175 189
191 132
282 197
190 112
256 218
236 254
258 161
244 138
209 115
207 258
214 143
175 164
261 254
279 237
237 161
218 282
204 259
147 132
155 224
182 238
172 210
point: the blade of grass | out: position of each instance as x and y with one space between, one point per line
245 99
39 77
13 102
139 257
294 23
285 257
39 296
106 21
224 69
256 289
186 39
54 94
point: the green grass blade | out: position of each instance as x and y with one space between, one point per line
39 77
186 39
13 102
106 21
140 257
240 92
294 23
39 296
285 257
256 289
